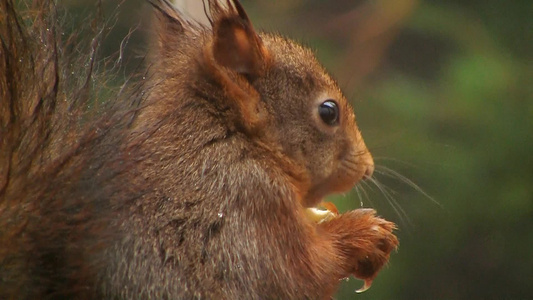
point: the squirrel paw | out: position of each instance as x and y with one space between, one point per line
365 242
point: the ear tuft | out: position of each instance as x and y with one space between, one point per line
167 16
170 24
236 45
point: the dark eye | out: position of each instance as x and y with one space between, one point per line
329 112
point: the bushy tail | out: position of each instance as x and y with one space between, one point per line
47 138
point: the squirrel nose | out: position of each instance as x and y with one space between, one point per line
369 171
368 162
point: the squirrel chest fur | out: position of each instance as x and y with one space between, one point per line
199 188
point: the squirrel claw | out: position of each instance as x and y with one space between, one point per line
365 287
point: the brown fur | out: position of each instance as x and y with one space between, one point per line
199 191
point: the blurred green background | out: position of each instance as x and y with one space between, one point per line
443 93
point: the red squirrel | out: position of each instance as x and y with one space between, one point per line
198 181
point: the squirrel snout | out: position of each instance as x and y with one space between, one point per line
364 159
369 171
368 163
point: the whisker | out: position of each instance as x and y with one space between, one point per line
366 194
399 161
359 195
350 166
404 218
385 171
353 165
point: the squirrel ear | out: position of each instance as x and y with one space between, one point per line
236 45
170 26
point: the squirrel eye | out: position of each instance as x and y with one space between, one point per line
329 112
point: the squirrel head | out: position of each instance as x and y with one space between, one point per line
275 92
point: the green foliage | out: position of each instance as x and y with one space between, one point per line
468 129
